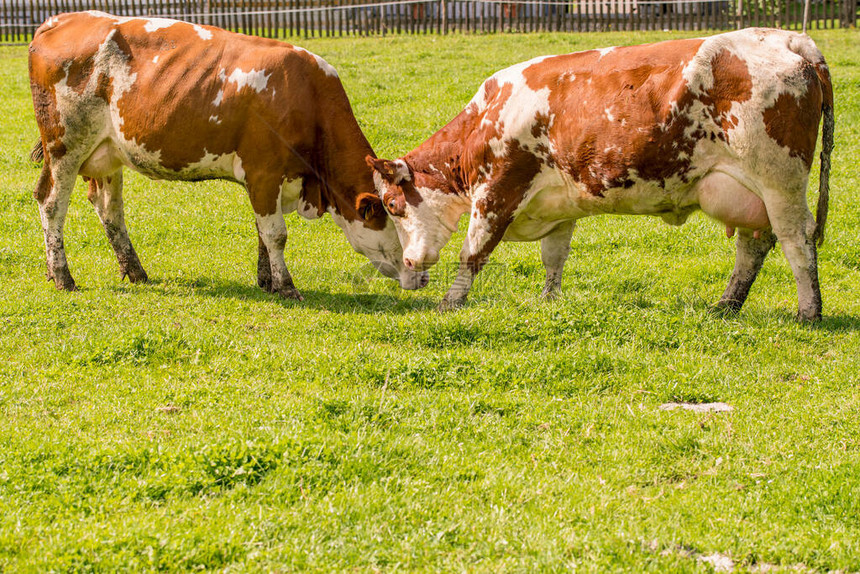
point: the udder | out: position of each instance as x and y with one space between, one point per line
727 200
104 161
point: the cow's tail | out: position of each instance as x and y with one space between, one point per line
826 149
46 180
37 154
803 45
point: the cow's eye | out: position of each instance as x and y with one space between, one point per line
392 205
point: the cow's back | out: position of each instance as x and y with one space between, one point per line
176 100
656 115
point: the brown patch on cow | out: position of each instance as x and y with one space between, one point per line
793 123
47 117
312 194
540 127
512 179
451 160
639 85
732 82
44 184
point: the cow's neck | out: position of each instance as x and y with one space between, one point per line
440 162
341 166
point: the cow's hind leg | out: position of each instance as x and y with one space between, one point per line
794 227
751 253
264 267
554 249
53 192
105 193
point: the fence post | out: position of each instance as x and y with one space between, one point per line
847 14
444 13
805 15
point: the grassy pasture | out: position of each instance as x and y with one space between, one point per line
198 423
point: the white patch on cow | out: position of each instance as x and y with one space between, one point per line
604 51
210 165
291 190
323 65
519 113
402 170
254 79
215 119
271 225
202 32
100 14
103 122
608 113
155 60
153 24
219 97
238 171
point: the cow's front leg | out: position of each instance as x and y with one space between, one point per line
750 257
273 233
554 249
264 268
265 195
481 239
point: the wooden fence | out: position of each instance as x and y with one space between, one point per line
291 18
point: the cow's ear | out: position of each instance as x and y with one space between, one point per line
368 206
391 171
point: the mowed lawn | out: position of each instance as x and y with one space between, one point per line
196 422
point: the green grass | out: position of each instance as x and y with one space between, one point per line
198 423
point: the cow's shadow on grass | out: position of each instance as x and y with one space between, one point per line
835 323
838 323
397 302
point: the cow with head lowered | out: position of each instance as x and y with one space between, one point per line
180 101
726 124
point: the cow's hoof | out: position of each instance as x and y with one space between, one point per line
725 308
550 294
135 275
265 283
62 279
808 317
446 305
290 293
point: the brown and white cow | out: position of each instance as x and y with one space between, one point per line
726 124
179 101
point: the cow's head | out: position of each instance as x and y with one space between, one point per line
423 213
374 235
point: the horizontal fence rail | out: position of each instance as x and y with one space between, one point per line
313 18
